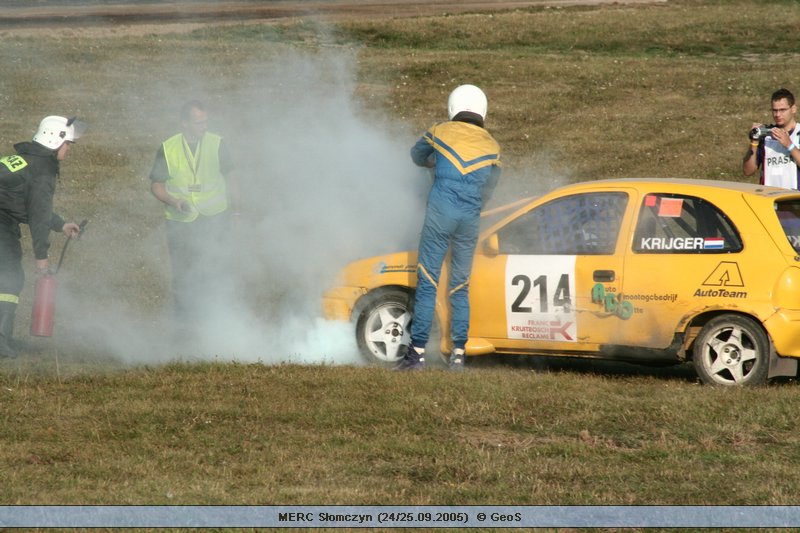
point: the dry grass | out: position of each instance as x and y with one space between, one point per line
575 94
252 434
617 92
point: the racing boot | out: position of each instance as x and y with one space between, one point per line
413 360
7 312
456 362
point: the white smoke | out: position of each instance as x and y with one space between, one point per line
323 183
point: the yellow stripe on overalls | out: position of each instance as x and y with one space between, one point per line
425 273
12 298
456 289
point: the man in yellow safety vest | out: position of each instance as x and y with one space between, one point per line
192 177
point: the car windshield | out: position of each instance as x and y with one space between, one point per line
789 216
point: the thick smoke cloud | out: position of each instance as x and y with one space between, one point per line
322 184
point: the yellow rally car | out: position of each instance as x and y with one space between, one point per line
657 270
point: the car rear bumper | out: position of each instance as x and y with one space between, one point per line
784 329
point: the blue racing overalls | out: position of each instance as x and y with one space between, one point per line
466 168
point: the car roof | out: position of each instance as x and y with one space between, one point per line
677 183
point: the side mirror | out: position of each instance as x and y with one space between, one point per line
491 246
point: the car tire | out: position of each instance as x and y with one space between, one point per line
383 328
732 350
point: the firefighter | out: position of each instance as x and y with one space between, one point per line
191 177
27 184
466 163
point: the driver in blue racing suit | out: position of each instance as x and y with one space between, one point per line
466 163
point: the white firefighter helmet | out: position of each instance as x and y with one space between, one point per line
54 131
466 98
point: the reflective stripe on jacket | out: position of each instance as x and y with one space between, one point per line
467 162
195 177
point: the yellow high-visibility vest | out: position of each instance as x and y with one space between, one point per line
195 177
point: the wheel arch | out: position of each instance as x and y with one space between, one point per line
374 294
695 324
778 366
439 315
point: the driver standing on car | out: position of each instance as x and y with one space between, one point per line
776 150
466 163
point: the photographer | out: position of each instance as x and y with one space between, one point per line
774 147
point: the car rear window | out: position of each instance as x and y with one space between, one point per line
680 224
788 212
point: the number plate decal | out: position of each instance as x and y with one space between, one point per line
539 298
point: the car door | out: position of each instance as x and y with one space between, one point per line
684 255
549 278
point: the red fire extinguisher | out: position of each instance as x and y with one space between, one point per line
44 301
44 306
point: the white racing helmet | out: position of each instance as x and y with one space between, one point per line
54 131
467 98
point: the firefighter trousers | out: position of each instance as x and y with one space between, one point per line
12 276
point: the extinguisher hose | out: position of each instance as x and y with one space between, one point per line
82 225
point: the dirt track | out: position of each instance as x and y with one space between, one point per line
131 14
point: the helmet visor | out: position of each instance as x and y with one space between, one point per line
76 127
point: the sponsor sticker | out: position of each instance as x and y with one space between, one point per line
681 243
383 268
670 207
726 274
539 298
672 243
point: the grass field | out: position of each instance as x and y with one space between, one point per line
108 411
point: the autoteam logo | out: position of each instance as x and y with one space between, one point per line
720 293
722 282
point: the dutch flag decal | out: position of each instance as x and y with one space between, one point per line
713 243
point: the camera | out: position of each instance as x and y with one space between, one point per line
760 132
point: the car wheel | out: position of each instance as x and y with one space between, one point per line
732 350
383 329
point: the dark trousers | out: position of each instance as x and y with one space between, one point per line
198 256
12 276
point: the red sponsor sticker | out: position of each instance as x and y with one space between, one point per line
670 207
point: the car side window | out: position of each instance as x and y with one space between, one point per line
788 212
680 224
580 224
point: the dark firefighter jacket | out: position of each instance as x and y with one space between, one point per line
27 184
